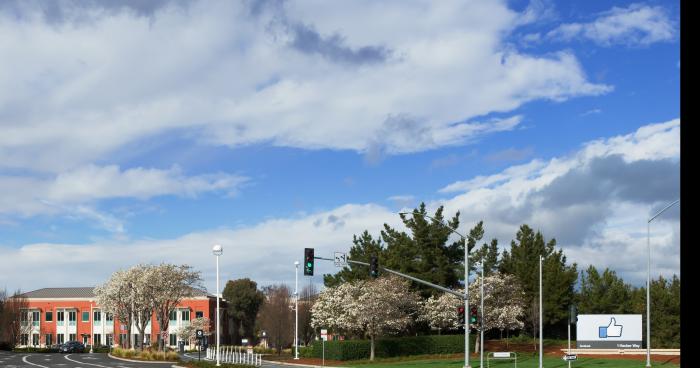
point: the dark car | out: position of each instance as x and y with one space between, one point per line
72 347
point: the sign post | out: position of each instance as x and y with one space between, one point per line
200 335
324 337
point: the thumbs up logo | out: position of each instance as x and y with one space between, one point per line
611 330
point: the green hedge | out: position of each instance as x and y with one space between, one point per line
389 347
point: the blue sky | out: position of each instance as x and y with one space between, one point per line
147 132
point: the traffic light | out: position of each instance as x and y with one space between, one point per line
473 315
573 315
460 314
308 261
374 267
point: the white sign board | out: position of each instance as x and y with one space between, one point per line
609 331
501 355
324 335
244 341
341 259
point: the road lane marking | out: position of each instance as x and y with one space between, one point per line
24 359
79 362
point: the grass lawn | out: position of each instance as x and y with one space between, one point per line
524 361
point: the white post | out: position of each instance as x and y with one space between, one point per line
218 250
296 310
481 355
540 311
466 304
568 325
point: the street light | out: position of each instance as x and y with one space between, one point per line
217 250
466 283
296 310
649 281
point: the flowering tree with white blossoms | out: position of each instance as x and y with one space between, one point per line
370 307
504 306
189 332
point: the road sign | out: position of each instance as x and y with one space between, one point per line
609 331
244 341
568 357
341 259
324 335
200 334
164 335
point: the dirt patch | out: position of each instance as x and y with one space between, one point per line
496 345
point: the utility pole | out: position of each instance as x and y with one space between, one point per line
540 311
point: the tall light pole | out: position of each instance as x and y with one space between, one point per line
296 310
218 250
466 284
540 311
481 355
649 281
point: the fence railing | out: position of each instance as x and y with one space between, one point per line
235 355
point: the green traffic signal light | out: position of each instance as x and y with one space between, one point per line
308 261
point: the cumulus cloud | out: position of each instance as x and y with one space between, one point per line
75 192
393 78
595 202
598 198
265 252
636 24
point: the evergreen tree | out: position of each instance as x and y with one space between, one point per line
489 254
604 294
365 246
426 253
558 279
244 301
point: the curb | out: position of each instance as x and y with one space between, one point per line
300 365
138 361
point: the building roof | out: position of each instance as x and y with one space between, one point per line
78 292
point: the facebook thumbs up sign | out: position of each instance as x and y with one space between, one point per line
611 330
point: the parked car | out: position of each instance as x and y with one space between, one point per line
72 347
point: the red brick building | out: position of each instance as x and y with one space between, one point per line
57 315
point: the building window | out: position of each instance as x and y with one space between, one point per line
147 339
109 317
48 339
86 316
110 339
49 316
85 339
24 339
173 317
185 317
60 338
98 339
60 318
71 318
173 339
72 337
198 314
97 317
35 339
36 318
122 340
24 318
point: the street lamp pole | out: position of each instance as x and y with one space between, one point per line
649 280
481 355
540 311
218 250
466 284
296 310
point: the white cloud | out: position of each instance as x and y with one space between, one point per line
635 25
603 224
364 74
74 193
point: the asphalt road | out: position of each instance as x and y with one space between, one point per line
55 360
86 360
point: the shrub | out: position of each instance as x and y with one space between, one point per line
390 347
